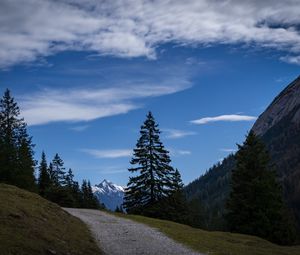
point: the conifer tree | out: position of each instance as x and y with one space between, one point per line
51 174
16 151
69 178
176 181
255 205
89 200
151 165
44 178
58 171
26 163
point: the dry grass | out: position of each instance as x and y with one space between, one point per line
32 225
217 243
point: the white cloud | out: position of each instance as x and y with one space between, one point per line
74 105
175 133
132 28
117 153
230 118
291 59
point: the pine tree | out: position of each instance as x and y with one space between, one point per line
151 163
89 200
255 205
51 174
58 171
44 178
69 179
176 181
26 163
16 151
9 123
119 209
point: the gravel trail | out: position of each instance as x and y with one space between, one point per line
119 236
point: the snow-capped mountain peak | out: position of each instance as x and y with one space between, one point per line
107 187
109 193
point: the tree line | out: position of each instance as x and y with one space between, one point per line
254 206
17 163
58 185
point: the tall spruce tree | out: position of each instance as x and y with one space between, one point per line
255 205
69 178
16 151
58 171
26 161
151 165
43 178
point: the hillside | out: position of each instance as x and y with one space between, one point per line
279 127
32 225
217 243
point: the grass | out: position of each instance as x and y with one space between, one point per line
215 243
32 225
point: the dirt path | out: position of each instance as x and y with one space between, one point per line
119 236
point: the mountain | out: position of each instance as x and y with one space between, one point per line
110 194
279 127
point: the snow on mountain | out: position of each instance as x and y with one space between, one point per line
110 194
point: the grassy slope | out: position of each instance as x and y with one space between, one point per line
217 243
31 225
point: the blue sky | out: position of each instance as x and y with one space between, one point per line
85 80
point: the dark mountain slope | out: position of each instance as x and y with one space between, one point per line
212 189
279 127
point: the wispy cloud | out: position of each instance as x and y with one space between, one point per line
230 118
175 133
116 153
228 150
80 128
179 152
184 152
75 104
113 170
134 28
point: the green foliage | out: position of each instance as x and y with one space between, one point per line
119 209
151 162
58 186
207 195
16 149
88 198
44 177
57 171
196 214
255 205
17 163
282 141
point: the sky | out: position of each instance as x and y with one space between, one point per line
85 74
